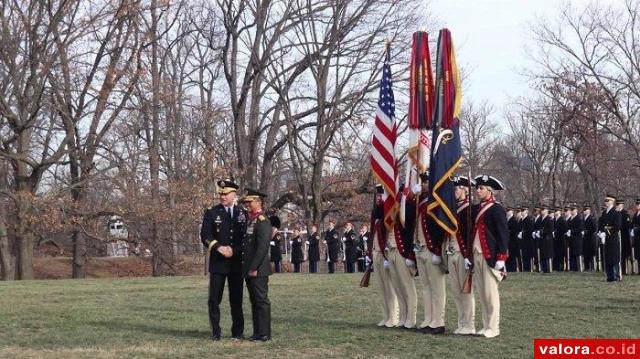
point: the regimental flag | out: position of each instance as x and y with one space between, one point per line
446 153
420 115
383 154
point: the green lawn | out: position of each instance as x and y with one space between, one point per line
313 316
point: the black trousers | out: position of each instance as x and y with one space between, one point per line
216 288
260 305
296 267
349 267
361 265
276 267
313 266
332 267
512 264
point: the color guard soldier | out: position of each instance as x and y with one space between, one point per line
381 264
363 239
590 243
460 257
635 223
537 242
402 265
332 242
255 265
575 235
276 242
609 226
559 245
297 255
313 251
350 248
490 251
222 232
431 269
625 237
514 249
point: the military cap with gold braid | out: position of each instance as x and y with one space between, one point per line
226 186
252 195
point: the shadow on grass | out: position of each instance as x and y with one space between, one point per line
162 331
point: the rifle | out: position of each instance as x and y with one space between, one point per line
468 280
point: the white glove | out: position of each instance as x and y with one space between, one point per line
435 259
386 263
520 235
367 260
344 239
536 234
499 265
306 242
467 264
291 242
569 233
325 242
602 236
409 263
272 243
631 233
417 188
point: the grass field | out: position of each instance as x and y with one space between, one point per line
313 316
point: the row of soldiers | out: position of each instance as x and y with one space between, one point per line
348 248
563 239
474 255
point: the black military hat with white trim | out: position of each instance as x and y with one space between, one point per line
226 186
463 181
611 197
637 200
489 181
252 195
619 201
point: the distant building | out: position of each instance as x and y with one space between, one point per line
117 245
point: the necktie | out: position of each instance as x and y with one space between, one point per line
229 211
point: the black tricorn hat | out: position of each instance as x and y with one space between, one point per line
275 221
252 195
463 181
489 181
379 189
226 186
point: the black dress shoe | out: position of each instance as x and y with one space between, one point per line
215 337
425 330
260 338
437 331
237 338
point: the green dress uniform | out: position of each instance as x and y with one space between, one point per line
256 257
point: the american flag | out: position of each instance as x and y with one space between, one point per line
385 132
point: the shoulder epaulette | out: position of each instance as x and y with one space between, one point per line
262 217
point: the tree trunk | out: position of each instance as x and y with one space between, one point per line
6 270
79 254
24 240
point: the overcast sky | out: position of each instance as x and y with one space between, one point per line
490 38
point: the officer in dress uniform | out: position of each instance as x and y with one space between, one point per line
276 242
255 265
350 248
363 238
575 235
625 236
313 250
490 251
297 255
222 233
459 256
609 226
590 244
378 256
512 224
559 232
332 242
527 243
635 224
431 270
537 218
